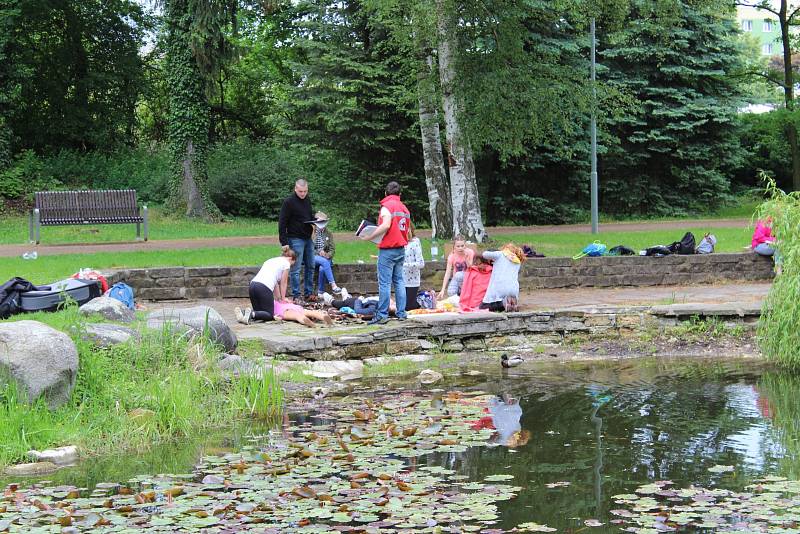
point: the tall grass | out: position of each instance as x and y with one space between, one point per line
779 327
132 396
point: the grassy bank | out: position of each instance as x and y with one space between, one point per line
132 396
53 267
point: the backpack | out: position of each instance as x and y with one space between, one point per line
685 246
621 250
592 249
123 293
658 251
427 300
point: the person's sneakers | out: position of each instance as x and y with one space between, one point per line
401 318
336 289
247 315
345 294
379 320
240 315
327 298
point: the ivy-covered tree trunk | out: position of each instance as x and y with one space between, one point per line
189 118
435 174
467 219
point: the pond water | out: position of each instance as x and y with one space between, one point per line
586 432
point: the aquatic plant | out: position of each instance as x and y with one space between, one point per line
260 394
779 327
353 469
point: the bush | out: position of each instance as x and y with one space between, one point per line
762 136
27 174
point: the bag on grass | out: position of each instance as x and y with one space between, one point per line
592 249
658 251
707 244
685 246
123 293
620 250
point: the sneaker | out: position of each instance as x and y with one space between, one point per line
379 320
336 289
239 315
247 315
345 294
403 318
327 298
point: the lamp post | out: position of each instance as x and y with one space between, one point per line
594 137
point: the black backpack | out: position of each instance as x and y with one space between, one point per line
620 250
685 246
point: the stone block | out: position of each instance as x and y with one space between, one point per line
169 282
234 292
201 292
161 293
402 346
599 320
207 272
354 340
167 272
474 343
629 321
454 345
363 350
207 282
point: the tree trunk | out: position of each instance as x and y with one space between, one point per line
435 173
467 219
790 127
189 119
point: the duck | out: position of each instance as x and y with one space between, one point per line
513 361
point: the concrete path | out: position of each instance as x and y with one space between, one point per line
249 241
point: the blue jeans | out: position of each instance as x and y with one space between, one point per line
390 274
304 248
325 273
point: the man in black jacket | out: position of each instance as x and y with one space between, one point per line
294 231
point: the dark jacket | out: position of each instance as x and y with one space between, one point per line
10 293
294 217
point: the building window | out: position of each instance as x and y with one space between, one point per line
766 49
747 25
767 26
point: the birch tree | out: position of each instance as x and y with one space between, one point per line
467 220
439 202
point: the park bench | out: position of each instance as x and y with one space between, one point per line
107 206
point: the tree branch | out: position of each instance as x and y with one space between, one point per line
758 5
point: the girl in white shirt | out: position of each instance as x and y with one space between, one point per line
268 285
411 268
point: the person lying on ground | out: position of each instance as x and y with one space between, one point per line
502 294
270 284
289 311
362 305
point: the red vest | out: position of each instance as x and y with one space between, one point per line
397 235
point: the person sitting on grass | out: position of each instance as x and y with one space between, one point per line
324 249
267 286
458 262
502 293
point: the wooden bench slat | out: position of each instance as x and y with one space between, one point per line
87 207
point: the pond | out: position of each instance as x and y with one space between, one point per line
572 436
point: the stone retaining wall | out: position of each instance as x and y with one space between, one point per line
485 330
191 283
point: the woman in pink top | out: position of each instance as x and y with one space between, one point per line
763 242
458 262
292 312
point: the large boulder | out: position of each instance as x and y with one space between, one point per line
107 334
193 321
109 308
40 359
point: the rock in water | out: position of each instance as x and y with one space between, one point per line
429 376
40 359
59 456
35 468
193 321
109 308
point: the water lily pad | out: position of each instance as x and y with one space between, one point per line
721 469
535 527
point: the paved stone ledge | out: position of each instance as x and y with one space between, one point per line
194 283
481 330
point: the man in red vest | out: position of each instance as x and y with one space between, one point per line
394 222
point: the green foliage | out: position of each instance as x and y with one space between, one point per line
27 174
71 72
259 394
676 151
779 327
763 138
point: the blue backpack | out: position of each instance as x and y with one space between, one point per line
123 293
592 249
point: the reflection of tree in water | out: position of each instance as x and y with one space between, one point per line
779 399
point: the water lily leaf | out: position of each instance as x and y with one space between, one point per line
721 469
560 484
498 478
535 527
593 523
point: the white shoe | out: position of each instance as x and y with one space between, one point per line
345 294
247 315
239 315
336 289
327 298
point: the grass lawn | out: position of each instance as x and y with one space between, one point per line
50 268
